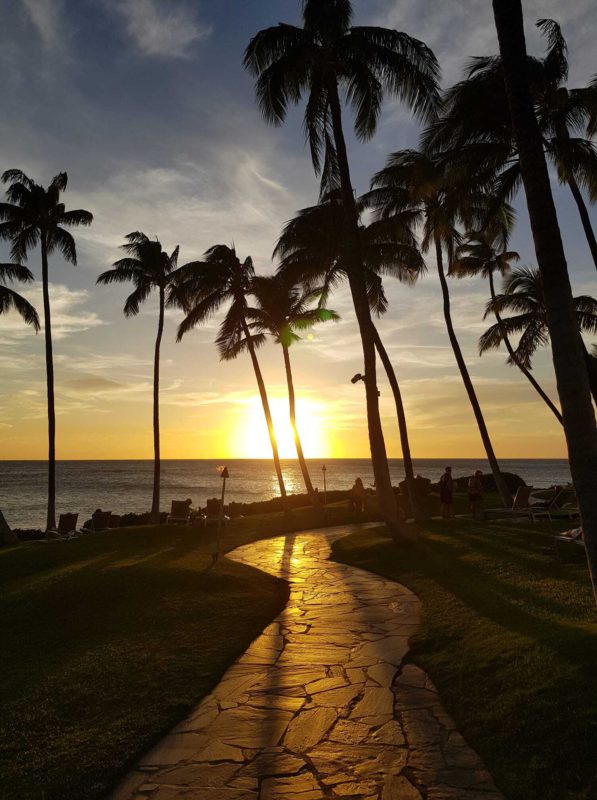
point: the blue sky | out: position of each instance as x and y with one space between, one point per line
146 105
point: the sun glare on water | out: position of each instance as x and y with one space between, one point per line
251 439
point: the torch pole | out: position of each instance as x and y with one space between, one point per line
224 476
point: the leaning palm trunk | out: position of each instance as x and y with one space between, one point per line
569 365
51 514
314 499
516 360
155 502
381 471
500 483
403 428
267 413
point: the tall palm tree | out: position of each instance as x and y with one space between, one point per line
568 358
414 182
10 299
482 255
323 59
312 251
283 309
203 287
35 216
523 296
148 267
475 130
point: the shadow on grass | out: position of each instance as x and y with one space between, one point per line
510 637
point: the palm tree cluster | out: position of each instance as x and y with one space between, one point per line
450 201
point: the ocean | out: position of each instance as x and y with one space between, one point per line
125 486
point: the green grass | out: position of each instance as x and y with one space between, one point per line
509 636
109 640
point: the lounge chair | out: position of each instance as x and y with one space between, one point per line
570 543
519 508
180 513
212 515
67 524
557 503
100 521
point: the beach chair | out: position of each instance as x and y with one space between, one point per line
114 521
180 513
519 508
100 521
212 514
558 503
570 544
67 524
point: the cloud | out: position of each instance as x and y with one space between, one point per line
46 16
162 29
68 316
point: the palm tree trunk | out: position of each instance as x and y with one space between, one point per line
381 471
403 428
569 364
500 483
155 501
584 217
268 415
517 361
315 502
51 514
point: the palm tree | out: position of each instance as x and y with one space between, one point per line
312 252
282 310
203 287
414 182
34 215
9 299
523 296
148 267
476 134
481 255
323 58
568 358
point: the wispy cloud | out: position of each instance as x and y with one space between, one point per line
68 313
46 16
162 29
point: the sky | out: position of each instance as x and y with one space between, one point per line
146 105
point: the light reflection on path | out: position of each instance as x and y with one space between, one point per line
321 704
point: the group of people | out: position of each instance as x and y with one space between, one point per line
446 494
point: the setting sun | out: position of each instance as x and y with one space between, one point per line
250 437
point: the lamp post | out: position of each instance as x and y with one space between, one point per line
324 469
224 475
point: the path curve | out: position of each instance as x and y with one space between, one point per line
321 704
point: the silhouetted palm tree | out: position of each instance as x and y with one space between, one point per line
324 58
34 215
311 250
481 255
414 182
568 357
283 308
203 288
9 299
476 132
522 296
148 267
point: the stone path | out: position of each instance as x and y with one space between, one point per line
321 705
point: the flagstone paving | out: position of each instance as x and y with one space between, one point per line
322 704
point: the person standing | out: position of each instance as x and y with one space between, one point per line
446 494
475 494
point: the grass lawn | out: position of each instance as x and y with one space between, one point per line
510 639
109 640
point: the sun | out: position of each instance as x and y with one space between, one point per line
251 439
